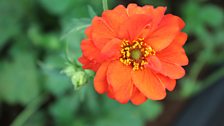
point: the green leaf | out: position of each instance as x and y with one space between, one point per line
64 109
49 41
91 99
155 2
18 78
192 19
55 82
150 110
122 115
38 119
11 13
212 15
57 6
127 114
219 37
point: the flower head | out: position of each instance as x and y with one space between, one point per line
136 52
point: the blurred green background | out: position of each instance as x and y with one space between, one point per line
39 47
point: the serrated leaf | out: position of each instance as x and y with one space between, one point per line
19 78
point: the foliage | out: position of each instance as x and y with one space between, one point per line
39 47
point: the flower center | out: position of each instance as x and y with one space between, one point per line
135 53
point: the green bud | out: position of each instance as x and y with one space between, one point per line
79 79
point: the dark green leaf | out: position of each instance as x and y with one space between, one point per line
19 78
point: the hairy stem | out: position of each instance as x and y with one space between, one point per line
105 5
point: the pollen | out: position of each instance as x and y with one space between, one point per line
135 53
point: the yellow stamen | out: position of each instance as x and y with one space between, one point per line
135 53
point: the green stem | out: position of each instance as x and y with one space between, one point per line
67 53
198 65
213 78
105 5
29 111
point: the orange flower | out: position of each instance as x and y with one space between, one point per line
136 52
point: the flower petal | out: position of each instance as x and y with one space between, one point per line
174 53
137 97
110 92
101 32
154 63
100 80
119 77
167 30
167 82
115 17
148 83
112 49
133 9
88 32
157 14
89 49
131 30
88 64
180 39
172 70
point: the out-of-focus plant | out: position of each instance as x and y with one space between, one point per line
205 22
36 35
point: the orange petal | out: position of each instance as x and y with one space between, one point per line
174 53
180 39
88 32
89 49
167 30
110 92
167 82
172 70
88 64
154 63
137 97
119 77
112 49
101 32
115 17
133 9
148 83
100 81
134 26
156 13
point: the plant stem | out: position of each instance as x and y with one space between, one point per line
105 5
213 78
30 109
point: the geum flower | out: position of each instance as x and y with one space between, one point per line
136 52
